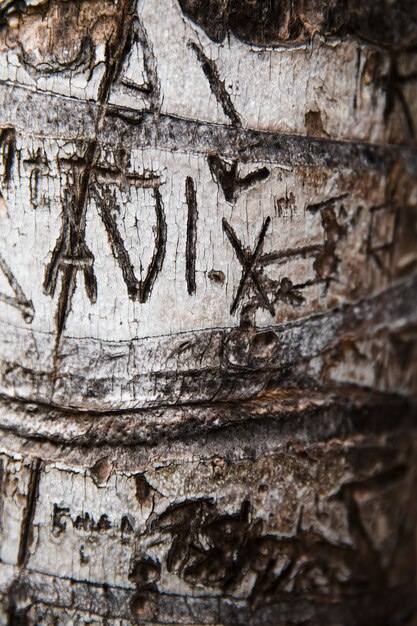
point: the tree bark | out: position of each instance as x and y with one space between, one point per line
208 316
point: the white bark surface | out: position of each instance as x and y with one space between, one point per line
207 315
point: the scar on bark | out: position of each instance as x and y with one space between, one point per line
210 548
190 252
217 85
144 490
101 470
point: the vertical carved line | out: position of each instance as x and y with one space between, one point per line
8 146
25 531
191 246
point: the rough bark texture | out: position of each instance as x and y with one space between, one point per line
208 318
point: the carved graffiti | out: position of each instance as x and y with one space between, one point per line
71 253
325 255
138 44
217 85
218 550
82 522
327 260
227 177
190 253
137 289
18 300
38 165
249 261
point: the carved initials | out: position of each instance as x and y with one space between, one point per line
70 256
137 289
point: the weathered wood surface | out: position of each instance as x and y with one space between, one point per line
208 312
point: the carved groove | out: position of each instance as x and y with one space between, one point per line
8 148
74 240
217 85
26 528
190 253
107 206
227 177
159 250
249 262
152 87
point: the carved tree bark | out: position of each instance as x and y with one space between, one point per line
208 315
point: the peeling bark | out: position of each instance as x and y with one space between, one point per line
207 312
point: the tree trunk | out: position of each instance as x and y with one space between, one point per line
208 315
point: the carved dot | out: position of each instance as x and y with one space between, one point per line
286 284
217 277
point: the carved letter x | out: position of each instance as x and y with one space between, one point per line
248 261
